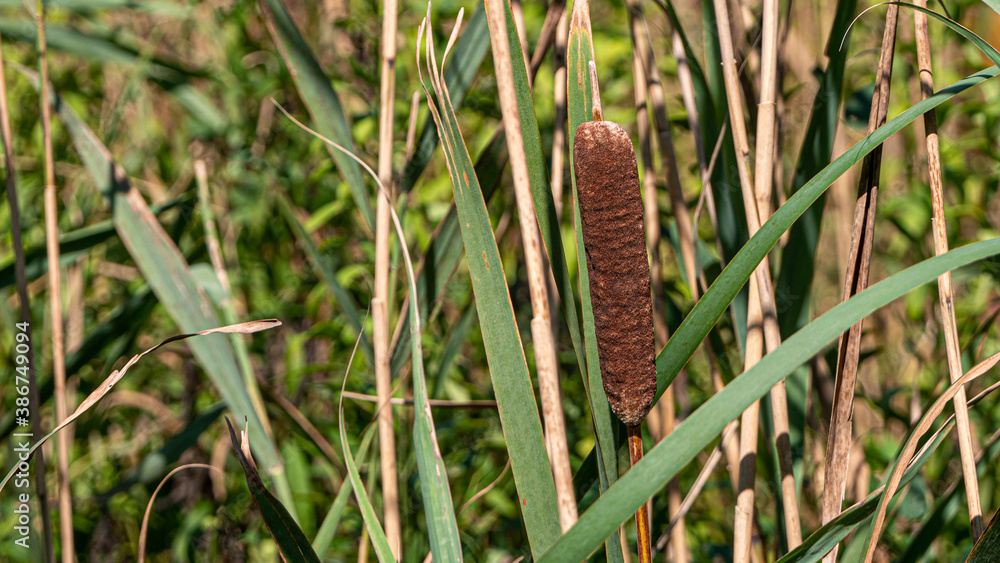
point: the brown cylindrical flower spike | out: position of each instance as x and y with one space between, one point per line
607 181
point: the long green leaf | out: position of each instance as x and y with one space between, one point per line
375 531
579 54
166 271
445 251
318 96
508 368
667 458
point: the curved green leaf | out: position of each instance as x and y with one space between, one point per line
541 192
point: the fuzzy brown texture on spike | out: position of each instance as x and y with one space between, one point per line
607 180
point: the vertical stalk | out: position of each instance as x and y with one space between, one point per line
383 375
939 228
838 445
24 308
55 319
541 332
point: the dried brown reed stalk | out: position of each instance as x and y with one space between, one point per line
939 228
546 362
856 280
380 302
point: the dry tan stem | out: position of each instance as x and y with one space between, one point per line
939 228
755 338
661 418
856 280
536 63
56 320
545 352
380 313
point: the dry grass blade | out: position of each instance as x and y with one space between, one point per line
109 383
911 444
939 228
856 280
546 362
380 302
144 528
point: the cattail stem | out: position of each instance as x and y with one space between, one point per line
641 515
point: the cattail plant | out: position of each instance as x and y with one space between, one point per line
607 180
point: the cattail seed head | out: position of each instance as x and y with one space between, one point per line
607 181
